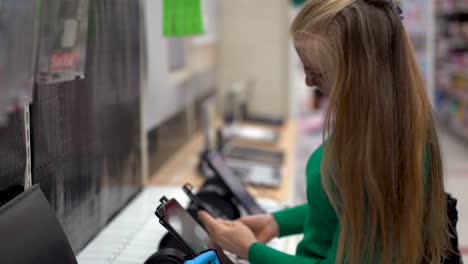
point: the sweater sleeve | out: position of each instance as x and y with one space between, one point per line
261 254
291 220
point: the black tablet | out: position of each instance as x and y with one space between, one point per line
182 226
188 190
233 183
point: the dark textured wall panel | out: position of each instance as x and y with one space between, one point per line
86 133
12 156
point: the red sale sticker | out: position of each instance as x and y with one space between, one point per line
63 61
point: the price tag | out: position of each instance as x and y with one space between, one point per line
63 61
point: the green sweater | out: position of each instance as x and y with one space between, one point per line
317 220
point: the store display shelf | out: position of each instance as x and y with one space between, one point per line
457 70
458 44
453 126
459 96
458 129
454 11
451 69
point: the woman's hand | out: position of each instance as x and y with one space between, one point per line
232 236
264 226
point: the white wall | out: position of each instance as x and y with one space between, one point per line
167 93
254 42
299 92
156 109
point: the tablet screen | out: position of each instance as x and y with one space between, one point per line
187 228
234 184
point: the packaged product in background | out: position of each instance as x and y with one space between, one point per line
62 42
18 42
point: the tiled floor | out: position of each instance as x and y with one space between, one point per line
455 154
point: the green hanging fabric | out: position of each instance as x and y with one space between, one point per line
182 18
179 17
91 22
167 17
197 17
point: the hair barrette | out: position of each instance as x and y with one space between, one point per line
398 10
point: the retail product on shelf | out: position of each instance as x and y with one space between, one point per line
416 21
451 6
451 74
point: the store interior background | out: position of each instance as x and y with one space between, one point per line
99 142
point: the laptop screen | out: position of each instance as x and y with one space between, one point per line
234 183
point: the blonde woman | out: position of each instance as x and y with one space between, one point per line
375 188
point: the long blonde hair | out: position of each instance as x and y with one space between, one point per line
382 168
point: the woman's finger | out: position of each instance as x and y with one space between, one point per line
225 222
248 220
211 224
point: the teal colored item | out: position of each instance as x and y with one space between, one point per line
209 257
298 2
